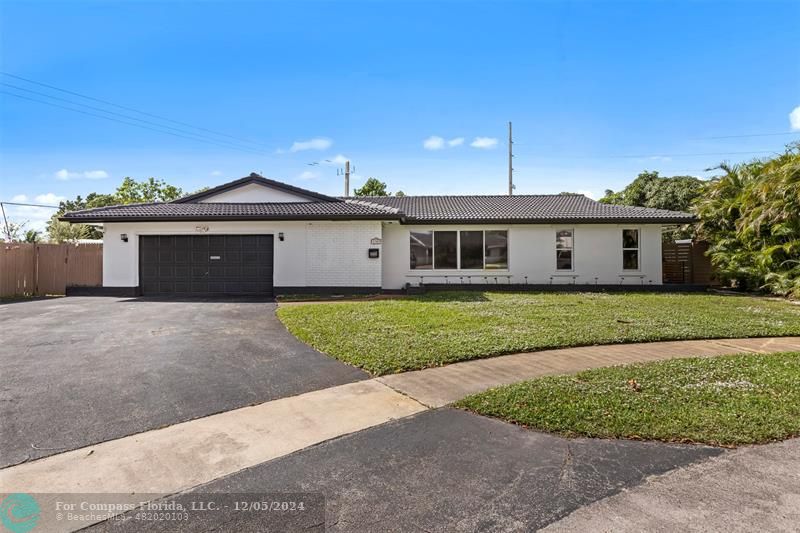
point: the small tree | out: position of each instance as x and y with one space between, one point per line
12 231
149 190
59 231
33 236
130 191
372 187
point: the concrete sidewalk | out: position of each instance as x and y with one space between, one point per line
178 457
436 387
749 489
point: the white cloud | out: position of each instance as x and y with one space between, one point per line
794 118
33 217
662 158
588 194
49 199
318 143
484 142
216 173
307 175
65 175
458 141
434 142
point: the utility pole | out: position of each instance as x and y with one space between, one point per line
347 178
510 167
5 221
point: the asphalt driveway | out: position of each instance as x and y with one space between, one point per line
77 371
441 470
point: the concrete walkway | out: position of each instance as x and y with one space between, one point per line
749 489
436 387
175 458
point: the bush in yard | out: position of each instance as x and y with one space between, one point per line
751 217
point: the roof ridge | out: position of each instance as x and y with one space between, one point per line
358 201
471 196
254 178
114 206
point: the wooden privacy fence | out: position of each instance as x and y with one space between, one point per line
686 262
42 269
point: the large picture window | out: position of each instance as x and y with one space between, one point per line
445 249
564 247
465 250
471 250
421 250
496 250
630 249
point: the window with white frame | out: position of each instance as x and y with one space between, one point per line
453 250
421 250
630 249
564 248
495 250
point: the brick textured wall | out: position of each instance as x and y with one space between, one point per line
336 254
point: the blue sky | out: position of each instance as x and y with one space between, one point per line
295 83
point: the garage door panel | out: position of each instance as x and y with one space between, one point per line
199 256
206 264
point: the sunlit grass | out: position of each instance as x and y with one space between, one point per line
727 400
389 336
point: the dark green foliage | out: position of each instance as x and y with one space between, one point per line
651 190
372 187
130 191
33 236
751 216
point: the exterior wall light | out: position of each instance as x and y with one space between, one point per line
124 237
280 236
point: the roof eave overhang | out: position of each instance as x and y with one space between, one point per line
442 221
199 218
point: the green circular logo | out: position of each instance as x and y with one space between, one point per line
20 513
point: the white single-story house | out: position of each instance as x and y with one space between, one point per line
260 236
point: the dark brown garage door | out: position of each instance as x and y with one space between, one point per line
206 264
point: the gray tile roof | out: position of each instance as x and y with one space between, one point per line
333 210
542 208
259 180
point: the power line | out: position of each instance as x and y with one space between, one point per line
651 156
129 108
31 205
747 135
218 143
114 113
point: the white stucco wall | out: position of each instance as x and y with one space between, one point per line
252 193
313 254
532 253
334 254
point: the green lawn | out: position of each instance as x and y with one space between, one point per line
389 336
728 400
